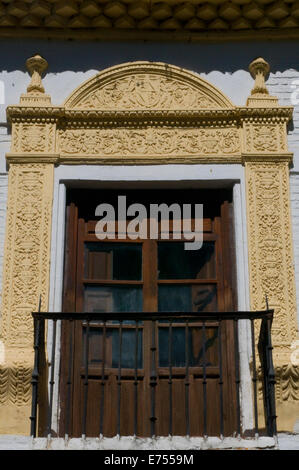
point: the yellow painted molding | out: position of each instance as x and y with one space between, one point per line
32 158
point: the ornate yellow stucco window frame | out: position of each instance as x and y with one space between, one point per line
133 114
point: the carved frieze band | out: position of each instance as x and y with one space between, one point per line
270 249
222 142
149 141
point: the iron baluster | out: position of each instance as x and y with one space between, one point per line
119 377
220 379
103 380
270 373
254 379
69 380
85 383
52 382
237 375
204 381
35 371
153 380
35 377
170 376
136 379
187 383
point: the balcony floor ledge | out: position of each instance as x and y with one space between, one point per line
10 442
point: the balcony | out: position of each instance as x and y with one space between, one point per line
149 375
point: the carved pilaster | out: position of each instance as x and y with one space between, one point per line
270 250
25 278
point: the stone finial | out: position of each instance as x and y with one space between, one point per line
36 95
36 66
259 69
260 97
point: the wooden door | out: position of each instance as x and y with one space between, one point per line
151 276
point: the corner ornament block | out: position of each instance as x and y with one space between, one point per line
33 120
265 132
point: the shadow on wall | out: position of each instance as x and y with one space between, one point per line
81 56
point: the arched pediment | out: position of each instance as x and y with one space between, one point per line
147 85
147 112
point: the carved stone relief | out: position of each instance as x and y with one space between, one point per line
270 248
265 137
162 114
25 275
33 138
144 91
149 141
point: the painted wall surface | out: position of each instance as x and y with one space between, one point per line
225 65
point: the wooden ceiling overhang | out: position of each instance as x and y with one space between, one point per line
150 19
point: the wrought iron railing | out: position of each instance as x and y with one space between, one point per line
53 372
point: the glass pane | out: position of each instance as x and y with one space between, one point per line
187 298
102 299
128 359
115 261
174 262
195 347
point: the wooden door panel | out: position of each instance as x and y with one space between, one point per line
110 415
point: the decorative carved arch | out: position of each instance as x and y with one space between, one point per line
146 85
146 112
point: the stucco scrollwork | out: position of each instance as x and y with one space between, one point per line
149 141
146 85
25 275
265 137
144 91
270 248
33 138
